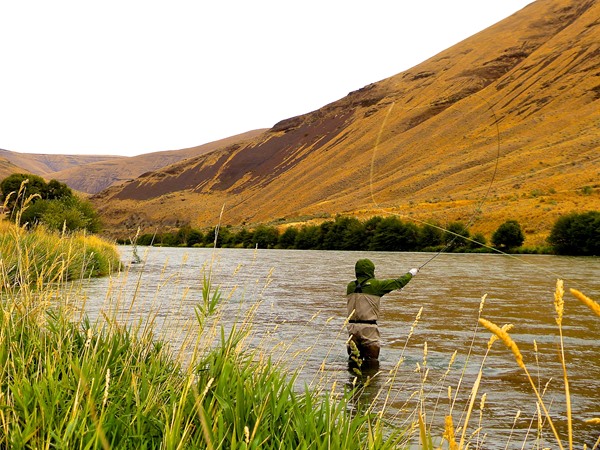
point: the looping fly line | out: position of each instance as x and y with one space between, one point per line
478 206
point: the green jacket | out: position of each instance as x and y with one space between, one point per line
365 275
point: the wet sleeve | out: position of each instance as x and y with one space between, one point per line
386 286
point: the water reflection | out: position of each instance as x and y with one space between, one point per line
300 317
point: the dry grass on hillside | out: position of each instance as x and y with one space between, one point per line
513 110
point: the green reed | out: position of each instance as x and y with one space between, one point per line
40 257
68 382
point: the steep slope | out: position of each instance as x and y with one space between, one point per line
93 177
507 120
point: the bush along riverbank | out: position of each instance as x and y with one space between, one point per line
576 234
70 382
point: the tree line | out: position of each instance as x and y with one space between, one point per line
344 233
31 200
573 234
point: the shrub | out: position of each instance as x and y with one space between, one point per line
195 238
31 200
392 234
454 237
71 214
288 238
265 237
308 237
509 235
430 236
17 187
576 234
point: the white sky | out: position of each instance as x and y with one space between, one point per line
127 77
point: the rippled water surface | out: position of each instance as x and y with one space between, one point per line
302 312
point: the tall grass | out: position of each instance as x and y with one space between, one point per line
69 382
39 256
73 383
464 421
544 416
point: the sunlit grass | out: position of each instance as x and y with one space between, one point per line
113 382
38 256
109 383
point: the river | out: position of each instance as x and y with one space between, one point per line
301 311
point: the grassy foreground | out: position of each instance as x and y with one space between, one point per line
66 382
69 385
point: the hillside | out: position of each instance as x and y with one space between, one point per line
43 164
96 176
507 119
93 173
7 168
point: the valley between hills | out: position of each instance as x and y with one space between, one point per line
504 125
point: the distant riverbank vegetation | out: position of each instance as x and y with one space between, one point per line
575 234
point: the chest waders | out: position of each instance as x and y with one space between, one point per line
363 313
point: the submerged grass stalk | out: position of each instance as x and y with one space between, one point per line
594 306
559 305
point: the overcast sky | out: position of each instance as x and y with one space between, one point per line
126 77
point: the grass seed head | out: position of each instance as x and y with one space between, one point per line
503 335
594 306
506 327
482 303
449 433
517 415
106 385
559 303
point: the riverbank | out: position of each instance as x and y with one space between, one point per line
37 256
72 382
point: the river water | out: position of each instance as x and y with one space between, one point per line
300 312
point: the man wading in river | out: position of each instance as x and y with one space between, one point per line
363 296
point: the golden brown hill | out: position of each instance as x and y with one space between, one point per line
96 176
508 119
7 168
44 165
93 173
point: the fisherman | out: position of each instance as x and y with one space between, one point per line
363 297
